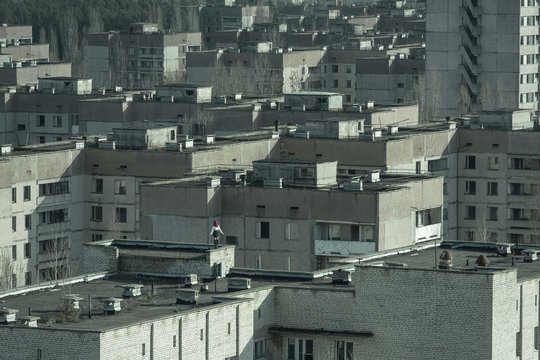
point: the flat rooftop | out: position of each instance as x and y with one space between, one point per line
388 182
464 255
45 303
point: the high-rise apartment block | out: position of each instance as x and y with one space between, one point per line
141 56
481 55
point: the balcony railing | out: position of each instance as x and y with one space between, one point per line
343 248
428 232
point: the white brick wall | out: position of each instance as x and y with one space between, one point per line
412 314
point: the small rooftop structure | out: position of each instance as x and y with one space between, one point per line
314 100
159 258
111 305
184 92
508 119
334 128
131 290
295 173
65 85
143 28
145 138
8 315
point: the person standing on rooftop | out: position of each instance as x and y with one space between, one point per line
216 229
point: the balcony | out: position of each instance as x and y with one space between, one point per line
54 228
343 248
53 199
469 77
428 232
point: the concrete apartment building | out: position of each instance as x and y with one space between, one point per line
22 61
376 312
46 114
481 55
288 70
296 215
66 191
28 72
488 167
16 42
140 57
218 18
336 70
388 80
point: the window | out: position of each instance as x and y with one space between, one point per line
258 262
445 188
27 193
428 217
97 186
492 213
437 165
202 334
53 216
307 173
121 215
348 69
231 240
40 120
27 250
299 349
344 350
14 252
261 210
400 85
517 214
470 162
335 83
120 187
470 212
13 223
28 278
335 68
228 328
492 188
53 245
174 341
143 349
97 213
56 188
259 348
263 230
13 195
13 281
21 127
57 121
27 222
41 139
349 84
38 354
470 187
493 236
517 189
97 237
493 163
469 235
291 231
517 164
